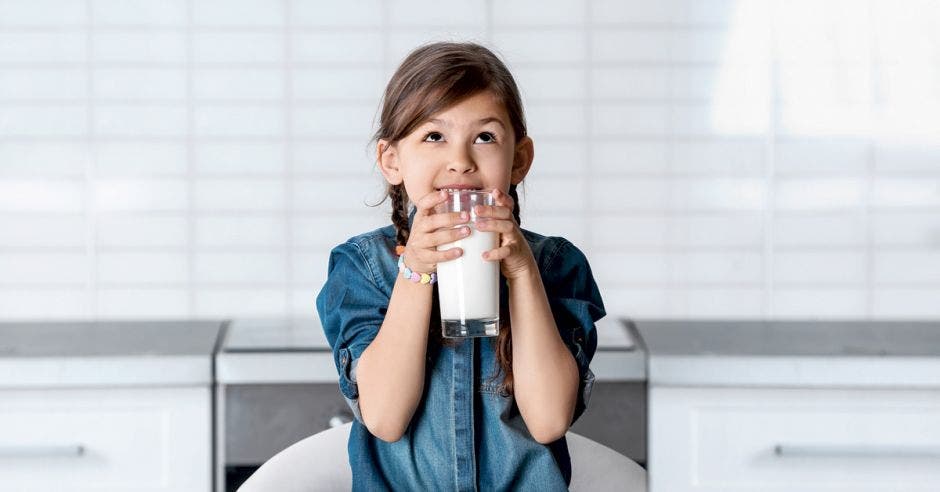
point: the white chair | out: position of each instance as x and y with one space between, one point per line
320 462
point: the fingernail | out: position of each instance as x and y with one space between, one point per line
464 215
464 231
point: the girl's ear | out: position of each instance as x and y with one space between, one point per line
522 160
387 158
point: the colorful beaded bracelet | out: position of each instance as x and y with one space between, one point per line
423 278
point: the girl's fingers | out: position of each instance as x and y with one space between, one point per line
493 211
445 236
425 260
501 226
503 199
497 254
427 202
432 257
448 219
448 254
430 230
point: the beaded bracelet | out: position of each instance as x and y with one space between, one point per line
423 278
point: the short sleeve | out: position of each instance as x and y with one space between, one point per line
351 309
576 305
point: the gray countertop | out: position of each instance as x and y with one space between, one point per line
666 352
273 335
107 338
789 338
107 353
295 350
136 353
792 353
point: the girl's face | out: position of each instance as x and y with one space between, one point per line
471 143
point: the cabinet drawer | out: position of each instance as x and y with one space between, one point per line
727 439
149 439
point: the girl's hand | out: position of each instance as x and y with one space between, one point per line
513 253
429 230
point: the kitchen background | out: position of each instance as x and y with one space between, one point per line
713 158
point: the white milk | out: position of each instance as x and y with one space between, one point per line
469 285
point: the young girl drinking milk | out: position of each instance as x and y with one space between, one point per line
434 413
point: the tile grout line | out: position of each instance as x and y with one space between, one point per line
314 102
606 213
756 285
91 165
587 225
121 28
488 22
672 285
605 249
534 64
870 187
769 216
608 138
190 164
288 99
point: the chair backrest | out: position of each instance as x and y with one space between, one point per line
595 467
320 462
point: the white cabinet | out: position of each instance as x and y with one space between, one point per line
744 439
106 406
807 406
153 439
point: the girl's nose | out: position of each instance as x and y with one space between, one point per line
461 162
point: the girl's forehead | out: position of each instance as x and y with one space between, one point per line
480 108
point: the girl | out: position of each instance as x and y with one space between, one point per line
458 414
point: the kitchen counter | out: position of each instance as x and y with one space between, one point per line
107 405
762 405
296 351
889 354
107 353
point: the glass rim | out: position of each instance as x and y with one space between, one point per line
453 191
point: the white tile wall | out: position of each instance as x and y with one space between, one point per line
713 158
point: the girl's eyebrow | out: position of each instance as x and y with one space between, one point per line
491 119
481 121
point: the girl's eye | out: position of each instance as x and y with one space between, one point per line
486 137
434 137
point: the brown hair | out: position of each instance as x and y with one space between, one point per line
431 79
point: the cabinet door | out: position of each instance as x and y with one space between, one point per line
734 439
152 439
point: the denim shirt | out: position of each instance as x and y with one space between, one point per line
465 434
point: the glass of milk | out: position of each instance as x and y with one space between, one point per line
468 286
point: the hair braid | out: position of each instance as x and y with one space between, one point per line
515 205
400 213
503 342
